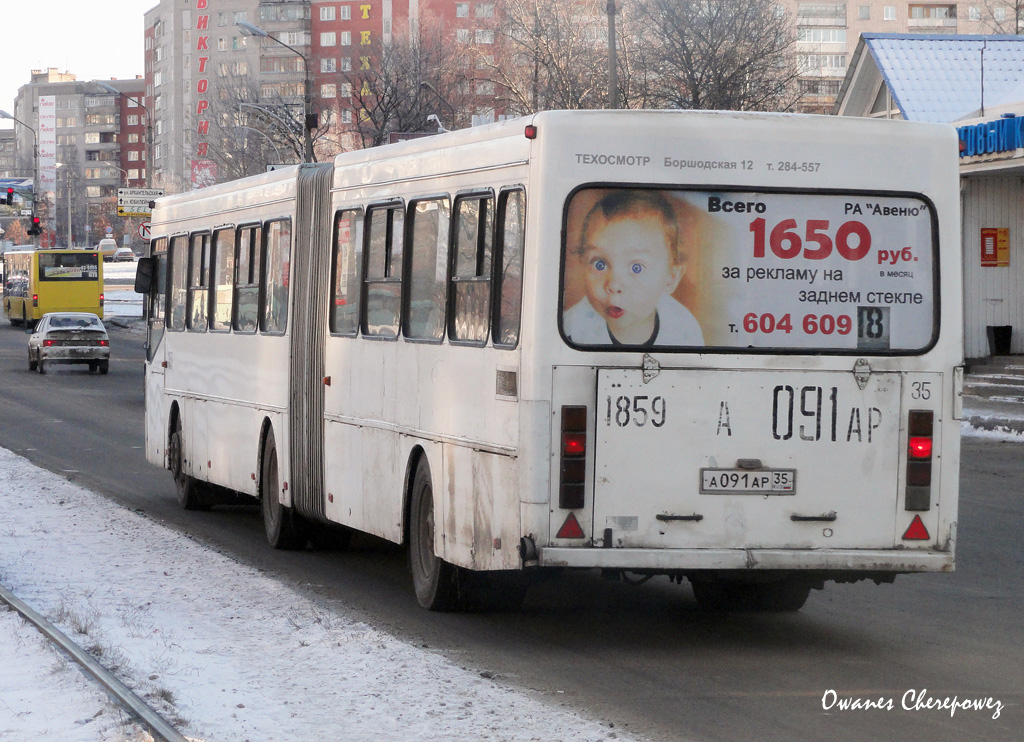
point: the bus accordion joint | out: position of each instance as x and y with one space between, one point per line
920 426
573 456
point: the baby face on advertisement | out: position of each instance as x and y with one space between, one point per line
629 266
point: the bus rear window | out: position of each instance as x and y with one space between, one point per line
748 271
63 266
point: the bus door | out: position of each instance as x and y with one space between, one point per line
736 459
155 307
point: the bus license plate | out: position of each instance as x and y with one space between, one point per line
748 482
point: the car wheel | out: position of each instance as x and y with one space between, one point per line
41 365
93 367
104 366
284 527
434 580
31 363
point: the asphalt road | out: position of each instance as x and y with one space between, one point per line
641 658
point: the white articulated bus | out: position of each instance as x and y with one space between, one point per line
718 346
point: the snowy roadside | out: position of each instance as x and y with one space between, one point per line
223 652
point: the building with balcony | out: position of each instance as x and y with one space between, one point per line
827 34
89 144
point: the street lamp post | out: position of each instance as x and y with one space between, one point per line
35 156
264 135
149 129
307 98
451 109
67 173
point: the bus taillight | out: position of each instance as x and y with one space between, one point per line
919 459
35 300
573 457
101 300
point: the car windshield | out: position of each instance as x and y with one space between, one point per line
75 323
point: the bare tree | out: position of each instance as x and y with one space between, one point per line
399 83
722 54
250 130
546 53
1002 16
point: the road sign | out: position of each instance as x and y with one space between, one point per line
144 230
110 230
135 201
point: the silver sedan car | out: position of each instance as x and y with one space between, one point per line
69 337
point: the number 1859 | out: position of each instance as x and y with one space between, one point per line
639 409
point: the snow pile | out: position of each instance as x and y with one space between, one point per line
220 650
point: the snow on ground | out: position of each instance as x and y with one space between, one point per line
223 652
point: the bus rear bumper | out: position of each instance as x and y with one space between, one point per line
867 560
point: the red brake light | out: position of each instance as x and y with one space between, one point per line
49 343
574 444
573 460
104 343
35 300
101 300
531 131
920 426
921 447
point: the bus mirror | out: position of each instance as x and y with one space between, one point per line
144 275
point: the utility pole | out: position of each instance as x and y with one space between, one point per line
613 71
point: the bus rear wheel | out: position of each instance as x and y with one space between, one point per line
434 580
189 496
284 528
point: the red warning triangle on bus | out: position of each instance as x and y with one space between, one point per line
916 531
570 528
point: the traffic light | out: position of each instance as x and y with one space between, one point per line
35 228
10 197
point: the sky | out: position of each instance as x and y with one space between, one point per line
93 40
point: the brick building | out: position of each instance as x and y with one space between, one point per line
90 142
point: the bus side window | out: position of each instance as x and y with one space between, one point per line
428 269
383 297
179 284
508 293
348 263
223 278
471 274
247 279
198 282
277 251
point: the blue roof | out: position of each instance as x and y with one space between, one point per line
938 78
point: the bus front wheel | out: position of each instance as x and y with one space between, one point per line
189 496
283 526
435 580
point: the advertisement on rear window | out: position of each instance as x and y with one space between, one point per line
684 269
68 266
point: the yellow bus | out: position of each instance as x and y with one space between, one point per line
41 281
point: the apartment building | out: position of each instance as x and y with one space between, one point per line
827 34
90 141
